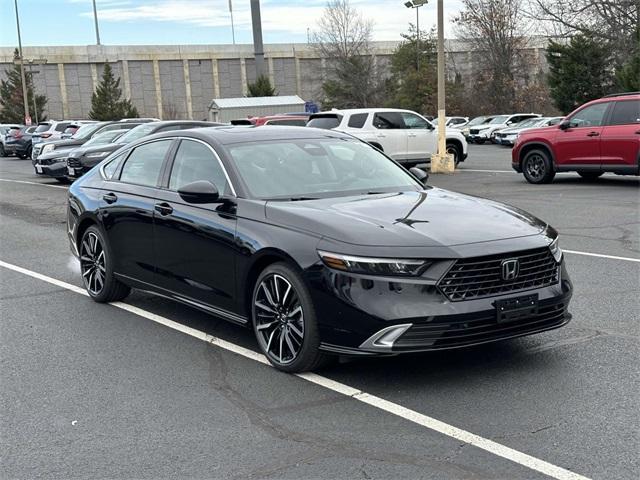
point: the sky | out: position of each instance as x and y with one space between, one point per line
174 22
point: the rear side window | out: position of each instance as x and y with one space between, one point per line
357 120
625 112
194 162
388 121
291 122
111 167
325 121
144 163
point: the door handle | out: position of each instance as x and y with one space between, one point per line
110 197
413 135
593 134
163 208
380 135
637 132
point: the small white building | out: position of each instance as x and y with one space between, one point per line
226 109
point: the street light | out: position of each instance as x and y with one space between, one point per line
25 100
417 4
95 20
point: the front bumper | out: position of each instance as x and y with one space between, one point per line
56 170
361 316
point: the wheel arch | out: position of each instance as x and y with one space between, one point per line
536 146
82 227
376 145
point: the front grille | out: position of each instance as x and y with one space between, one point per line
461 330
73 162
481 277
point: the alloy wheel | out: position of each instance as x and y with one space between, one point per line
92 263
535 167
279 319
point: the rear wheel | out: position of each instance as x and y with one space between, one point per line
284 320
590 175
537 167
96 266
2 152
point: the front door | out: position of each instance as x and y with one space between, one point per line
579 145
423 140
126 208
621 136
195 243
391 134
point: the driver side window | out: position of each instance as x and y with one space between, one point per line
414 121
591 116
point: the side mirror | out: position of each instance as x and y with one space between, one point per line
564 124
201 191
420 174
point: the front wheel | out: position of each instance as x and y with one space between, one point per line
96 266
453 149
284 320
537 167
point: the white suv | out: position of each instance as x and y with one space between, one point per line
482 133
405 136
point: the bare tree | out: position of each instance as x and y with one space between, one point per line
344 40
497 32
613 21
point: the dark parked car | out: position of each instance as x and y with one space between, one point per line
315 239
82 134
80 161
600 136
18 142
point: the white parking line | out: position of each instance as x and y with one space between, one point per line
431 423
32 183
486 171
612 257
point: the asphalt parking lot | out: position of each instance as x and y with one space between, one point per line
106 391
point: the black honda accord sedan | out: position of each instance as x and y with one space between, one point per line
316 240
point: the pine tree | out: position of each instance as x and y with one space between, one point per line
261 88
106 102
11 98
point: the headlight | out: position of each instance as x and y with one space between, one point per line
374 266
97 154
49 147
556 251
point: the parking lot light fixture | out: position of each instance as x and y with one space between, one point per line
416 4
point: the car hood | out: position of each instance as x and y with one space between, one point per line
428 218
68 143
107 147
57 153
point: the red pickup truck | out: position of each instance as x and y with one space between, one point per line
600 136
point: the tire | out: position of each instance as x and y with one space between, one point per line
590 175
22 156
537 167
96 268
455 151
284 320
480 141
2 150
63 180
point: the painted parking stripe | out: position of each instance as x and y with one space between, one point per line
32 183
431 423
601 255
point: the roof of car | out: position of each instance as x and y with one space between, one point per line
363 110
227 135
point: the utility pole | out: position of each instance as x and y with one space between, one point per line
233 28
95 20
441 162
257 37
25 99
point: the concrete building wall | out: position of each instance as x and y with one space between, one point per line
180 81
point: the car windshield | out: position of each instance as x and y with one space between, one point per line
477 121
530 122
137 132
307 169
86 130
499 119
104 137
43 127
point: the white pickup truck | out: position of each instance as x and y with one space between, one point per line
405 136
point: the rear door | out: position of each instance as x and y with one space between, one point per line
195 244
579 145
621 136
390 132
421 137
127 207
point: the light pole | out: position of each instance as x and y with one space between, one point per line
95 20
417 4
233 28
25 99
257 37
